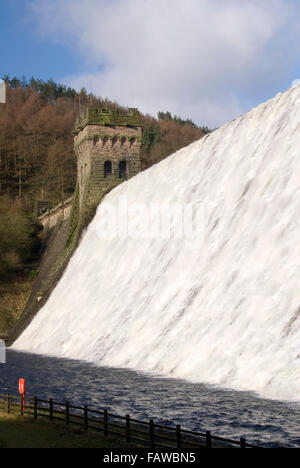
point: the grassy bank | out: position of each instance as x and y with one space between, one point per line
23 432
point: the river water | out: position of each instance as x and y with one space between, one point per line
197 407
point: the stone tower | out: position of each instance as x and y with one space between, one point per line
107 146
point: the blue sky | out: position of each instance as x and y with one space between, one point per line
209 60
24 52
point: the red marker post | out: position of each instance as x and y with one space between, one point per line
22 391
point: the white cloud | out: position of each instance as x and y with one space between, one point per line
204 59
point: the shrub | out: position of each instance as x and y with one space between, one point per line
19 242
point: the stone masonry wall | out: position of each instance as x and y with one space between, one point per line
57 214
97 144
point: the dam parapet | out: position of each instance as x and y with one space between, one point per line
51 217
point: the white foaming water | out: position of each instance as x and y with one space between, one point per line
225 313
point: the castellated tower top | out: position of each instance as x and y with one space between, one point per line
107 145
94 116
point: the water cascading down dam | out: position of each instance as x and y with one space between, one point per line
222 308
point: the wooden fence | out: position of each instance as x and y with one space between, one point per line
139 433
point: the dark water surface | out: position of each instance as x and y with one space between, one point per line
170 401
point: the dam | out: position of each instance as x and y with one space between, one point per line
221 309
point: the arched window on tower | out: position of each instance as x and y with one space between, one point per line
123 141
104 141
96 140
132 141
122 169
114 141
107 169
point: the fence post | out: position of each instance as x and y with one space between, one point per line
8 403
208 440
105 419
151 434
178 437
22 405
51 409
35 408
243 443
86 421
67 413
127 428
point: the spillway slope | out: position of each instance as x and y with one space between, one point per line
224 310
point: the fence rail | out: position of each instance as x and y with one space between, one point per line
144 434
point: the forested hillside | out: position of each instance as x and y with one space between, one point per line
36 145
